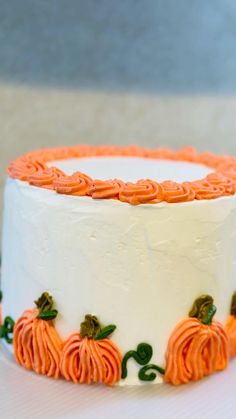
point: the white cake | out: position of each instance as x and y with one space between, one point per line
138 267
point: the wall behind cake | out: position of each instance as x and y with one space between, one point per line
153 72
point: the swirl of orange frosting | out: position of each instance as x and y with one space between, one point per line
177 192
76 184
45 178
186 154
206 190
37 345
195 350
23 168
229 169
90 361
141 192
208 159
219 179
105 189
161 153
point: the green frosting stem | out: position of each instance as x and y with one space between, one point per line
45 306
90 327
0 296
142 356
7 329
203 309
45 302
143 376
233 305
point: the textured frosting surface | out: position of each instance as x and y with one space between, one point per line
137 267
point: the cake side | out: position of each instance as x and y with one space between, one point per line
140 268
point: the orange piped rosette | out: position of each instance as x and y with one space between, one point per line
219 179
105 189
45 178
89 356
36 343
23 168
142 192
176 192
33 168
76 184
203 189
231 327
198 346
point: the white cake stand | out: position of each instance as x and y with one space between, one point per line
26 395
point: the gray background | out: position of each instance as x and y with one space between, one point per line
151 72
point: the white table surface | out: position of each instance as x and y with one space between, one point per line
26 395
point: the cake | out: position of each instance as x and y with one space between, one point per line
119 264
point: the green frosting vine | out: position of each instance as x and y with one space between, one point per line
0 296
233 305
92 328
143 376
45 306
142 356
6 329
203 309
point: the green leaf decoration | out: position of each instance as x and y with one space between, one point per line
45 302
2 332
0 296
203 309
143 376
142 356
90 327
6 329
233 305
47 314
105 332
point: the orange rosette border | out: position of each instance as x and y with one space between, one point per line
32 168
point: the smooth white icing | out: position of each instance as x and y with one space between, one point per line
131 169
139 267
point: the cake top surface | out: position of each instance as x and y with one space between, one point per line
131 169
131 174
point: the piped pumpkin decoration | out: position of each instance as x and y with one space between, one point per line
231 327
89 356
198 346
37 344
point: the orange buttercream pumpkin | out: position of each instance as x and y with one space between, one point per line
231 327
37 345
89 356
198 346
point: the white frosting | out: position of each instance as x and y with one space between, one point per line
131 169
139 267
